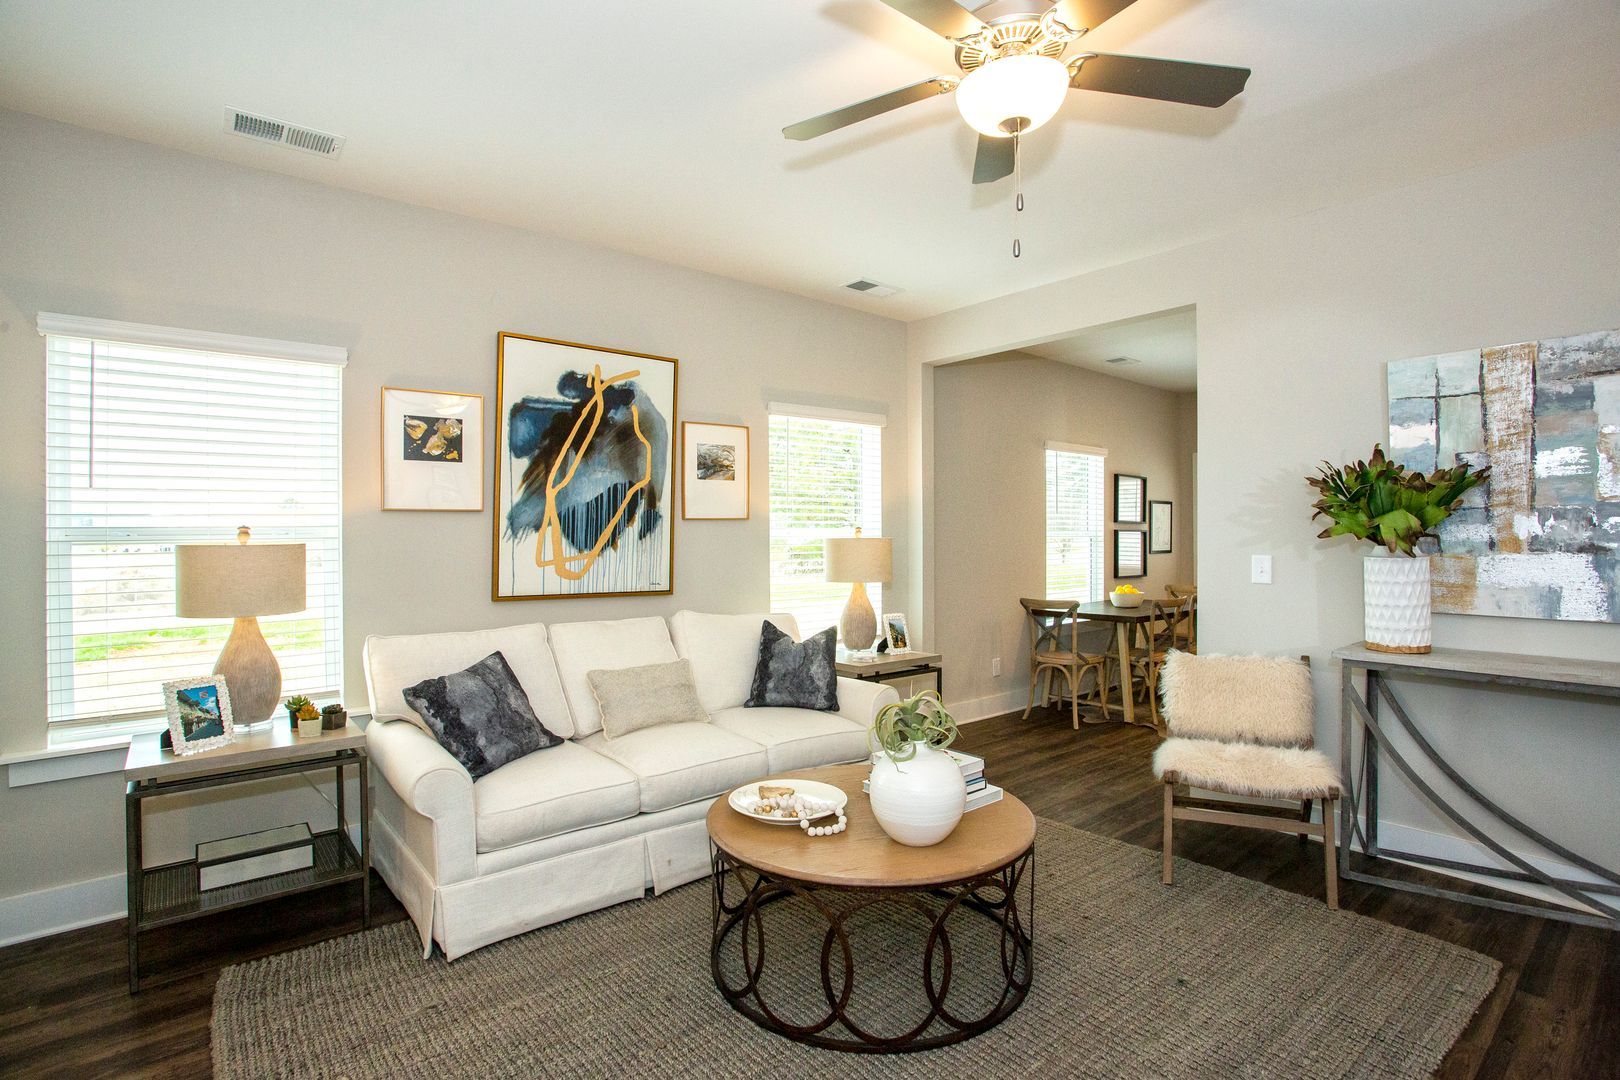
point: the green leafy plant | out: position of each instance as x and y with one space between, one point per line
921 718
1385 503
297 704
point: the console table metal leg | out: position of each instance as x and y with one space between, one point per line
1369 760
132 874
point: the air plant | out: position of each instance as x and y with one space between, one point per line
921 718
1385 503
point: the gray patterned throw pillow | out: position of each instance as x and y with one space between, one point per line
481 715
795 675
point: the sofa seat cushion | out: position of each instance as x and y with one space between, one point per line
680 763
583 647
724 651
797 738
550 792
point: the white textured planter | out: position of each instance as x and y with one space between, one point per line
1395 599
918 802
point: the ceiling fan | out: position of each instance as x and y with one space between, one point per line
1014 76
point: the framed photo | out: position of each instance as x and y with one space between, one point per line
895 633
1161 530
432 450
584 463
199 713
1130 554
714 471
1130 499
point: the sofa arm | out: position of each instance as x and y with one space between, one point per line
436 791
859 700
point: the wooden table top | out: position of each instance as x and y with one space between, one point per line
863 856
271 744
1103 611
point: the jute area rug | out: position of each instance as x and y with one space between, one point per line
1218 976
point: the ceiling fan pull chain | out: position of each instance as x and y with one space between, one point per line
1018 196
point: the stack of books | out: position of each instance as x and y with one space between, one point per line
980 792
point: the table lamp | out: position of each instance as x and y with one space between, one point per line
242 581
859 559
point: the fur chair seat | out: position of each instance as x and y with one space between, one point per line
1248 769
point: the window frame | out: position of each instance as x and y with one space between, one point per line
1097 525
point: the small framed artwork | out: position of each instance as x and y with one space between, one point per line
432 450
1130 499
714 471
1161 530
895 633
199 713
1130 554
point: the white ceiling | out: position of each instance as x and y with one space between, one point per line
654 128
1164 346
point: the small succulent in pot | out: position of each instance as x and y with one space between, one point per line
295 705
334 716
921 718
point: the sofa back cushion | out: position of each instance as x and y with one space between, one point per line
583 647
724 651
394 662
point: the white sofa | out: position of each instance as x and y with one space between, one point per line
593 821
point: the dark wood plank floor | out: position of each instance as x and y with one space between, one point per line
64 1009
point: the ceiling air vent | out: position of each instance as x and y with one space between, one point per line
871 288
264 129
1122 361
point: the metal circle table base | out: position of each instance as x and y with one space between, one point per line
741 895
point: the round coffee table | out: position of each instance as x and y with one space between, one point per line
906 900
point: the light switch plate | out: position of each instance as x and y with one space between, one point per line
1260 569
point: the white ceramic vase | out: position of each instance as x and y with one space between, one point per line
1395 601
919 801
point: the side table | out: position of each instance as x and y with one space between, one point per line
169 894
891 667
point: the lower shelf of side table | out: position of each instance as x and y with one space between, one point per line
170 894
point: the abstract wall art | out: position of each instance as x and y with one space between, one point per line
583 471
1541 538
432 450
714 473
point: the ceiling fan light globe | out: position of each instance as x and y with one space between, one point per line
1014 94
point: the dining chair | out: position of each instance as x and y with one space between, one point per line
1167 630
1244 726
1054 649
1177 592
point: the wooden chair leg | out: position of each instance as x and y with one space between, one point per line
1330 853
1071 678
1305 816
1034 681
1169 829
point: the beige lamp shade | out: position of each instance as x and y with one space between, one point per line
860 558
228 581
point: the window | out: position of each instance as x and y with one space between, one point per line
1074 522
826 479
149 446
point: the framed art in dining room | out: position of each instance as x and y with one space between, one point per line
432 450
584 468
1130 553
1161 528
1130 499
714 471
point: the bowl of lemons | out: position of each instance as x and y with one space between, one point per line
1127 596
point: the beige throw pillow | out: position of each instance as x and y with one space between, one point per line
643 697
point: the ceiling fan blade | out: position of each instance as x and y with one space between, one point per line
1083 15
944 17
865 110
1209 85
994 159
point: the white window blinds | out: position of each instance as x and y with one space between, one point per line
1074 524
149 447
826 479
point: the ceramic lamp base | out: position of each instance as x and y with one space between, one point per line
251 673
858 625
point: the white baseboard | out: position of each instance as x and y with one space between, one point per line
62 908
982 708
1400 837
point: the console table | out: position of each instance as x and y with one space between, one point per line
169 894
1362 712
891 667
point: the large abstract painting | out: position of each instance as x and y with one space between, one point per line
1541 538
582 471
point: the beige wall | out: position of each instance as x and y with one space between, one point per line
992 420
100 226
1296 321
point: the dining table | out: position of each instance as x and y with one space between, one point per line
1125 622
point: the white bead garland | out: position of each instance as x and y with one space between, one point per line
807 809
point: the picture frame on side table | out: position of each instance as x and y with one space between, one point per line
895 634
584 471
1130 499
1130 553
1161 527
714 471
199 711
432 450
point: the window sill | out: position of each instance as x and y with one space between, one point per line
69 762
